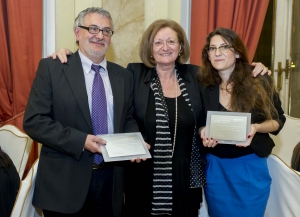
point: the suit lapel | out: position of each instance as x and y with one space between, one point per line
117 86
74 74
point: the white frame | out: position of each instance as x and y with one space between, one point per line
226 114
127 157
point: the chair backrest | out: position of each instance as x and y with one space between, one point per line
17 145
203 211
284 199
23 205
287 139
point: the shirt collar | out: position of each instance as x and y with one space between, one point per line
87 63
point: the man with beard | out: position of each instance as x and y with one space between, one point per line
68 105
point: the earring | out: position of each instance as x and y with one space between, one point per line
179 54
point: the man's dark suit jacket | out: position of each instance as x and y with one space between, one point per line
58 116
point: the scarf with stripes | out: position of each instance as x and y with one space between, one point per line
162 176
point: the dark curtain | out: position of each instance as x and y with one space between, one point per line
246 18
20 51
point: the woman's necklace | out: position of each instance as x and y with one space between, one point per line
225 87
225 96
175 128
222 87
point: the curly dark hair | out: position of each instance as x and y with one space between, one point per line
247 93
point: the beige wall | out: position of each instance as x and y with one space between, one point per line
66 12
131 18
128 17
162 9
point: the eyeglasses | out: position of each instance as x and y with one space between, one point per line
96 30
222 49
168 42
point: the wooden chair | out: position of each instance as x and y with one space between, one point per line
17 145
23 205
203 212
287 139
284 199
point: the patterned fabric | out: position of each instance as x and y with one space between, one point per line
197 177
163 148
99 108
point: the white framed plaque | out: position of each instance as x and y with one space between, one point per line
228 127
123 146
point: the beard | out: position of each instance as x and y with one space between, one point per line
95 53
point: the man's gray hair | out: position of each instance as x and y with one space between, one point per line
80 18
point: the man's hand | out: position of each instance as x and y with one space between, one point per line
92 144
